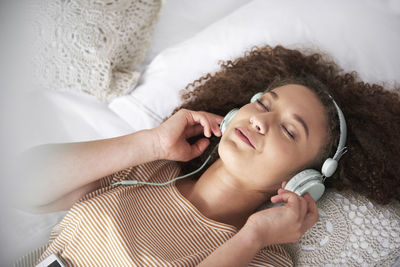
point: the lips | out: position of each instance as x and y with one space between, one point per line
245 136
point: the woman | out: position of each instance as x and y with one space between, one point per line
211 219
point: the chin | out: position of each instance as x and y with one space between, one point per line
233 156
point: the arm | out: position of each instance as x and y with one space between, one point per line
276 225
54 176
237 251
68 171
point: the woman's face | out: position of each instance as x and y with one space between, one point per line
285 131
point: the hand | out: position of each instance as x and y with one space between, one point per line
284 224
172 135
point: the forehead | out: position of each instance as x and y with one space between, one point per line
299 96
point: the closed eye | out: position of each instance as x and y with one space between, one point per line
289 133
283 127
261 104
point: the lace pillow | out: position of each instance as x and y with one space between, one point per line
91 46
351 231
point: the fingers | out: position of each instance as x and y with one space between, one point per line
278 198
288 197
199 147
292 200
312 212
193 130
215 127
172 134
306 206
208 121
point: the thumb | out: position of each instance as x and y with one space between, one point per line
198 148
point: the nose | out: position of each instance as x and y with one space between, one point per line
259 124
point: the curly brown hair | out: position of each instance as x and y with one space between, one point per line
372 164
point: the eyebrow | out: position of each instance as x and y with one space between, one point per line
274 95
302 122
295 116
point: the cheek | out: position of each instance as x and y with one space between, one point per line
279 152
281 158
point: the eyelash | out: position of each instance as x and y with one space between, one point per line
267 109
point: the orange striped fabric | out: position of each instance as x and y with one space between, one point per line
143 226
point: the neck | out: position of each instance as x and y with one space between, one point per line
219 196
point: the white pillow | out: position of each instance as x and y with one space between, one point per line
90 46
360 35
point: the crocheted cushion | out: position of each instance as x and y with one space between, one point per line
91 46
351 231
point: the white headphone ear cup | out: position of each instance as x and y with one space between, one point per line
256 96
307 181
329 167
227 119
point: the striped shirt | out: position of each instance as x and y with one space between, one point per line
143 225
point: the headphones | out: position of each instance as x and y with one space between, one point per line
309 180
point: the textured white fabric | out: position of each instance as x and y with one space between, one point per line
91 46
351 231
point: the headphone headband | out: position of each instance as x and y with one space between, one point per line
343 133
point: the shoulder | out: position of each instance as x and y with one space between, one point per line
155 171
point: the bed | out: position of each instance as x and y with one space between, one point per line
189 39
